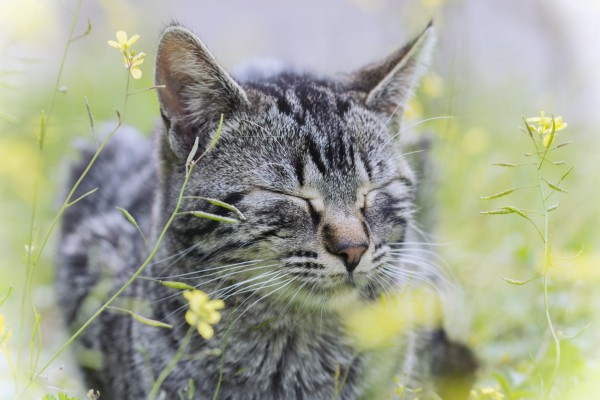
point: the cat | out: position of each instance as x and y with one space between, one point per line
327 199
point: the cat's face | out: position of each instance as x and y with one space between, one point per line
312 165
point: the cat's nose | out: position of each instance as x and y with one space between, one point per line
348 239
352 255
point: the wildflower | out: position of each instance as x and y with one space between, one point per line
131 59
377 324
203 312
543 126
123 43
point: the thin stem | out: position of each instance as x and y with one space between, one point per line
547 263
126 93
122 289
169 368
29 267
60 71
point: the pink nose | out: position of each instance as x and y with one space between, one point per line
352 255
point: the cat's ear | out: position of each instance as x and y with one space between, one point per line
197 89
389 83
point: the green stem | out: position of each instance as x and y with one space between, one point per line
126 93
60 71
547 261
121 290
165 372
44 126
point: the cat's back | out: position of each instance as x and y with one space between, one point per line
96 238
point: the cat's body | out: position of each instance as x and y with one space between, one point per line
326 198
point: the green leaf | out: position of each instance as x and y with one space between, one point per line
514 210
129 217
554 187
564 176
214 217
192 154
510 165
500 194
518 282
213 143
83 196
222 204
563 144
552 134
148 321
528 128
499 211
176 285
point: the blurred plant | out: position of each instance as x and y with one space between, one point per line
486 393
542 131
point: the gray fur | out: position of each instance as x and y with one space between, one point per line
309 162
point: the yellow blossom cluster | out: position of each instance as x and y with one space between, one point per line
203 312
131 59
544 125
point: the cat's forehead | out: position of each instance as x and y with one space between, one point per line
302 96
302 132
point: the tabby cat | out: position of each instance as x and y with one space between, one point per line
327 199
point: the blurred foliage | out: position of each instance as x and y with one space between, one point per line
507 326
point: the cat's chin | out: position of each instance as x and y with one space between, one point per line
336 296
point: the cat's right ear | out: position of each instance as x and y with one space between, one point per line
197 90
388 84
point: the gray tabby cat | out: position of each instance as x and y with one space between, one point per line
327 197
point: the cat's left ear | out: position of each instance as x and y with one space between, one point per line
388 84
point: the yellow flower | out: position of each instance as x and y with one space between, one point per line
123 43
131 60
377 324
543 126
203 312
132 64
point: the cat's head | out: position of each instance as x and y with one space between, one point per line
312 164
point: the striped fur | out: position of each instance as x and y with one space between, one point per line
312 165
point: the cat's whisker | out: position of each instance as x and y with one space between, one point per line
273 281
428 266
409 277
283 285
214 279
178 256
203 270
220 270
417 123
289 303
233 273
223 290
273 276
409 153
